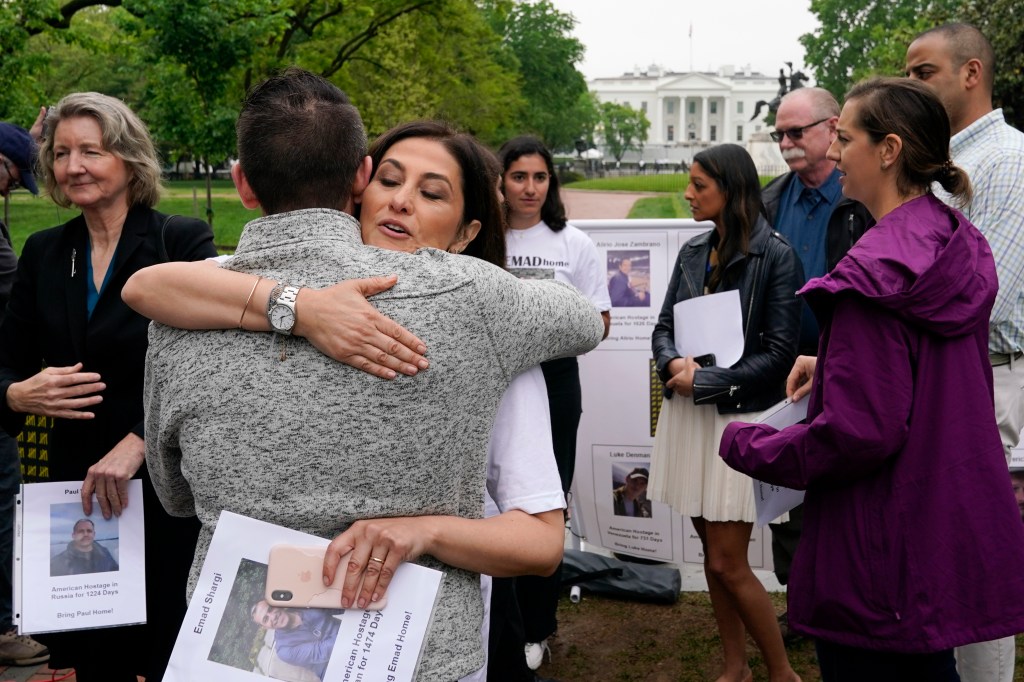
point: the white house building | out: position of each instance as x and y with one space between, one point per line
692 110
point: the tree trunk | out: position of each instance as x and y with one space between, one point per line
209 194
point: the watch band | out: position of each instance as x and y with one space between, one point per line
281 308
272 298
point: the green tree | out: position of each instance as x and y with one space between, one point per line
1002 22
858 38
623 128
436 64
539 36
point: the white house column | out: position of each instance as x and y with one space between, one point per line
728 134
704 133
658 120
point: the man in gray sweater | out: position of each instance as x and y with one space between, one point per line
264 425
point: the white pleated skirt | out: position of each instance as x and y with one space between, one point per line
686 471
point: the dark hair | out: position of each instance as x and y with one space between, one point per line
967 42
300 142
89 521
479 181
553 210
732 169
911 111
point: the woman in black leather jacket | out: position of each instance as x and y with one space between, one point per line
742 253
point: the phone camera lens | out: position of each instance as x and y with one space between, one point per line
281 595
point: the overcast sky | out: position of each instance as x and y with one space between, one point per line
621 34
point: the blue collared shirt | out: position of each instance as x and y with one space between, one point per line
992 154
802 219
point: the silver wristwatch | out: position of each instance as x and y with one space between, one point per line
281 308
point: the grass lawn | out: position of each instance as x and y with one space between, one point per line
614 640
675 182
667 206
30 214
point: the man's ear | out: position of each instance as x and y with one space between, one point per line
972 73
832 124
245 192
362 180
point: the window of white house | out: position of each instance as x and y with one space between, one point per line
739 133
670 106
693 107
713 107
713 133
671 134
739 107
643 107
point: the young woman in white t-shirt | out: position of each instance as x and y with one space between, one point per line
541 245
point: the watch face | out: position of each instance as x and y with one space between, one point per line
282 317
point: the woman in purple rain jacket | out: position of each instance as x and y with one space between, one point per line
912 543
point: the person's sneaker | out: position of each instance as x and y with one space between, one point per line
18 649
535 653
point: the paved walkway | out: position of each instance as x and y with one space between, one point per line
586 204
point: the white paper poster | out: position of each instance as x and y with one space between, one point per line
231 634
710 324
772 501
73 572
622 397
636 284
629 522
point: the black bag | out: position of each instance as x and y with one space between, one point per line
610 577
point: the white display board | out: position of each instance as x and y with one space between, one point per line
622 399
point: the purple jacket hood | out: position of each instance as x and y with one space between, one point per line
948 289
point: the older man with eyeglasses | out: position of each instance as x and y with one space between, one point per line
807 206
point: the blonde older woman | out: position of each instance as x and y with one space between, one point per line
66 314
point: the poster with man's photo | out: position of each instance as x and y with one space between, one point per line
74 571
629 521
636 284
232 631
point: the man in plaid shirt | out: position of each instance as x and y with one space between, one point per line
958 63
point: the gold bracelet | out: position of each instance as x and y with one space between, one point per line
248 300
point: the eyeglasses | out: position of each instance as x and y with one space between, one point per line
793 133
12 182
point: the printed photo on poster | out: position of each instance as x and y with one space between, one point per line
79 544
629 498
629 278
279 643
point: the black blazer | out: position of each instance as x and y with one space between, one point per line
46 325
767 278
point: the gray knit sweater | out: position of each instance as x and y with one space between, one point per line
311 444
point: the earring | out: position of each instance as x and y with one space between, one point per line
885 166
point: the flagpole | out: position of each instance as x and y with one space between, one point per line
691 46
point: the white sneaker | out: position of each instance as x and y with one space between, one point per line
20 650
535 653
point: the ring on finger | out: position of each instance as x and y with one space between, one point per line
379 561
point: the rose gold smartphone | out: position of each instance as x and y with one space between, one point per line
295 579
